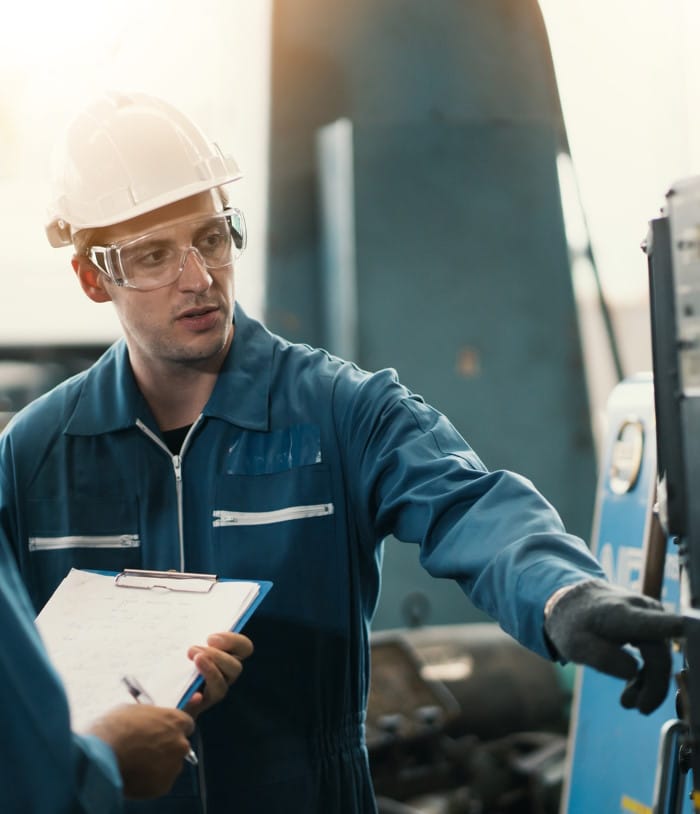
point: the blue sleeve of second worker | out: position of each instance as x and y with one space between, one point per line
45 767
415 477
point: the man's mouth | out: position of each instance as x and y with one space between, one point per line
199 319
195 313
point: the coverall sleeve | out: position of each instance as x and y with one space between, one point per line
414 476
45 768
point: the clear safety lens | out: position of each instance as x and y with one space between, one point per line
156 259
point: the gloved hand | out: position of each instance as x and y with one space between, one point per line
591 623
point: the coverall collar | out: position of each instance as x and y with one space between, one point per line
111 400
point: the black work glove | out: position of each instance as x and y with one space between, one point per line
591 623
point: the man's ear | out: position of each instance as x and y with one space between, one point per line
91 278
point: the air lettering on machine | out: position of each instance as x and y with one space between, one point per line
623 565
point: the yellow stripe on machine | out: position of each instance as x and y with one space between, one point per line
634 806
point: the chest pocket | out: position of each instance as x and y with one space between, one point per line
78 533
264 453
274 518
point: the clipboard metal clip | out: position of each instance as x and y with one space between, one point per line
180 581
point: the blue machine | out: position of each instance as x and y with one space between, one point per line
613 752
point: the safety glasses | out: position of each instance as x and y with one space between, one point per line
157 259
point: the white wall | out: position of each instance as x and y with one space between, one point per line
211 59
628 73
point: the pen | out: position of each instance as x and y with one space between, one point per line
137 692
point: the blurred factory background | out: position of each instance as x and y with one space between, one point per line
456 189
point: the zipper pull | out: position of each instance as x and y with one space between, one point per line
177 466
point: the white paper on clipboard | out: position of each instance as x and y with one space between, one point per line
96 631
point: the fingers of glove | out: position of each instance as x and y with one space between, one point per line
630 695
654 675
626 622
604 656
644 693
617 613
642 696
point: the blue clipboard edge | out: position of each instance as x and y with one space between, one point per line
265 586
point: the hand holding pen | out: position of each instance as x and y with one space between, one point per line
139 694
149 743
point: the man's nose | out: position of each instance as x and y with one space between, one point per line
195 275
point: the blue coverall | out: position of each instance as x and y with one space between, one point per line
44 767
297 469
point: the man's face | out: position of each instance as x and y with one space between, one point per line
188 321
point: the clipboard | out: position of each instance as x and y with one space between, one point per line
187 582
101 625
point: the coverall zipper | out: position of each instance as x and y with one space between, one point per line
177 468
229 518
85 541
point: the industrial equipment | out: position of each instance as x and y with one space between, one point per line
647 535
463 719
613 751
673 248
28 371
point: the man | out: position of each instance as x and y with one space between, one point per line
45 768
202 442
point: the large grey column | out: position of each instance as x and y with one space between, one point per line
461 263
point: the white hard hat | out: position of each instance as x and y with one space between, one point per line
126 154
